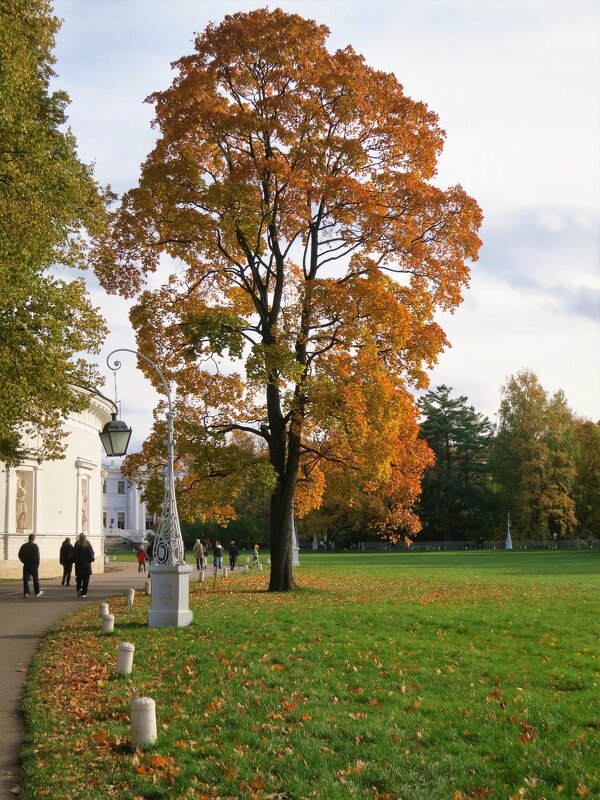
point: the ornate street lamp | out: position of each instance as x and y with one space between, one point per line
169 605
115 437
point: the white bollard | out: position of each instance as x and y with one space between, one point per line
130 597
125 658
260 567
246 568
103 610
108 624
224 572
143 721
106 560
201 576
148 587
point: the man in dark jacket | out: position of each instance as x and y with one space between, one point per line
83 555
66 559
29 556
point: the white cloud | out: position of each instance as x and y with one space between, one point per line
516 86
549 221
583 221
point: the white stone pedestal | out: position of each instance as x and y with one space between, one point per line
170 599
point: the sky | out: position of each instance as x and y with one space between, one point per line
516 86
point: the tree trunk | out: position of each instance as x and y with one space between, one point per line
284 455
282 579
281 510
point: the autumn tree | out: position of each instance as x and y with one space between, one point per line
356 506
534 458
457 500
586 490
48 200
293 190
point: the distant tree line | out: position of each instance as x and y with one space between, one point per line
540 463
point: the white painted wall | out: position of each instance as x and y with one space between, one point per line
63 497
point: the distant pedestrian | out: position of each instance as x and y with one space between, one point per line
255 559
29 556
218 555
83 557
141 559
233 554
198 552
66 559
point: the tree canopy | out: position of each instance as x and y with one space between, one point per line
457 501
586 492
49 200
292 189
535 458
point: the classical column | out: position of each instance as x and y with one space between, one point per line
9 509
35 511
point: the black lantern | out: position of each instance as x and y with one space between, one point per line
115 437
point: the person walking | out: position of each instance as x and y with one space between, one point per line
233 554
218 555
198 552
29 556
255 559
141 559
83 556
66 559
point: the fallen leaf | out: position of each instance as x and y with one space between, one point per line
258 782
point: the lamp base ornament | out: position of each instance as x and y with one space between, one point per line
169 605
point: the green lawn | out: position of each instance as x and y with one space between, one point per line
430 675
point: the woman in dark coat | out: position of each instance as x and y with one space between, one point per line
233 554
83 556
66 559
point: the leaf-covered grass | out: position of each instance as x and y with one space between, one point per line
429 676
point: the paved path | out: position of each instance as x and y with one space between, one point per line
23 624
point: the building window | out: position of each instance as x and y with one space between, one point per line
104 519
104 487
121 520
120 487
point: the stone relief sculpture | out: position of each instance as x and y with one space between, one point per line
21 506
84 507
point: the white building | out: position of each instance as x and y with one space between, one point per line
56 499
123 510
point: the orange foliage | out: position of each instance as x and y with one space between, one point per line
291 187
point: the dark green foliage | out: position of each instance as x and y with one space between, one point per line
213 330
458 500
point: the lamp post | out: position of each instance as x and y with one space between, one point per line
170 575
